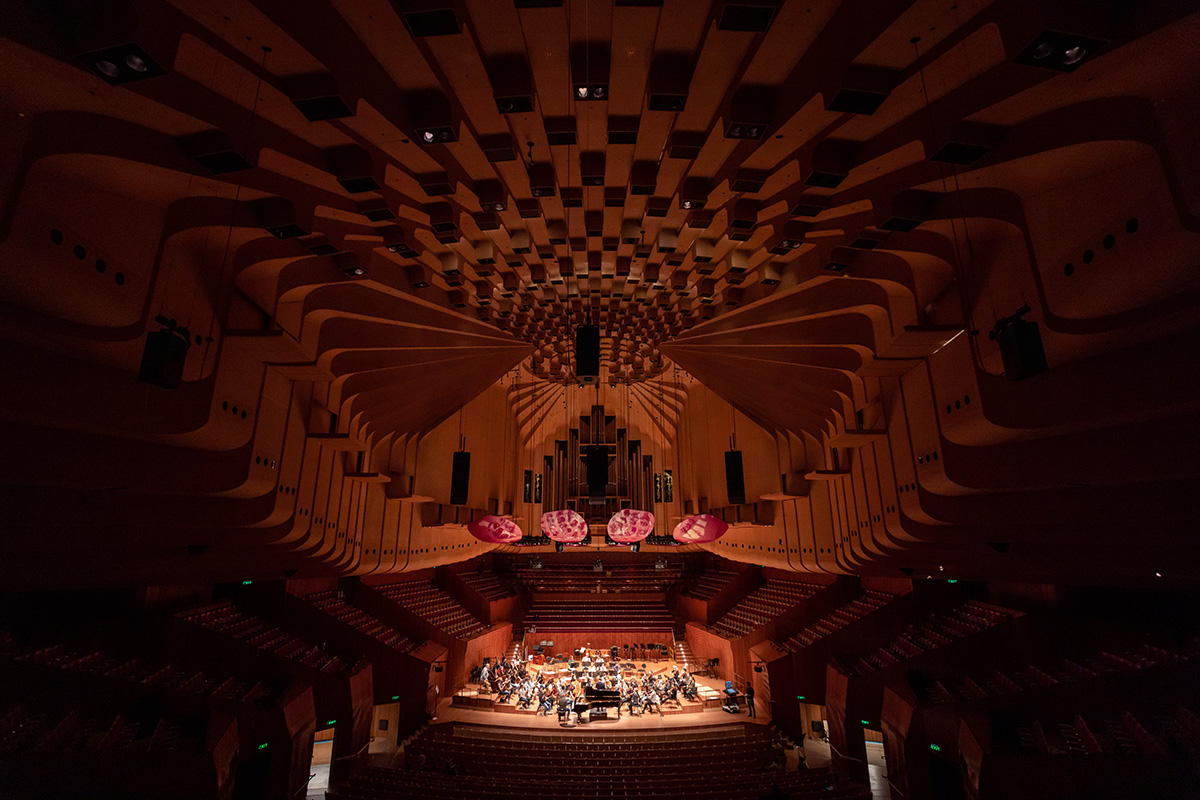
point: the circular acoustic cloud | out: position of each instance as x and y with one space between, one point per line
699 529
564 526
630 525
495 530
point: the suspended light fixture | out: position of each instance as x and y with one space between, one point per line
699 529
630 526
564 527
495 530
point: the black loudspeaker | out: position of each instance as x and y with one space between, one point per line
163 358
597 470
1021 348
735 481
460 478
587 351
818 726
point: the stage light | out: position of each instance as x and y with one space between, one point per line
1073 56
582 91
427 136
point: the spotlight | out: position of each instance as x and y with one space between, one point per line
582 91
1059 51
427 136
122 64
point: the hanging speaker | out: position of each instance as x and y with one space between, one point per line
1021 348
163 358
587 351
460 478
735 481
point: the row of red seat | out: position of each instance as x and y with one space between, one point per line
936 630
238 623
839 618
26 730
335 604
1176 730
764 604
998 683
449 762
434 606
152 672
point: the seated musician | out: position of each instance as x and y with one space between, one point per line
485 676
635 701
690 690
564 706
545 702
505 690
652 702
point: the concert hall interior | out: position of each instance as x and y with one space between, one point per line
800 396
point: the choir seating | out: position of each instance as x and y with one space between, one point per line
631 578
707 584
488 585
625 614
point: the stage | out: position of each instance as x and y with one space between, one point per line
471 704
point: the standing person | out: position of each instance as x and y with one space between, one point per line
750 697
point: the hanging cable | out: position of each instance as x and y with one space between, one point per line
965 269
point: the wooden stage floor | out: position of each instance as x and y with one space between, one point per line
468 705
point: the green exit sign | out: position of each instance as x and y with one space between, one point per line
263 746
247 583
395 697
952 580
865 721
937 748
799 697
331 722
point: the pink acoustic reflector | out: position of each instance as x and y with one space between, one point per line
630 525
564 526
699 529
495 530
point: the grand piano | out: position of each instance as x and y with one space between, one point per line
599 701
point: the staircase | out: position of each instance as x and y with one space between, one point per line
683 655
513 651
